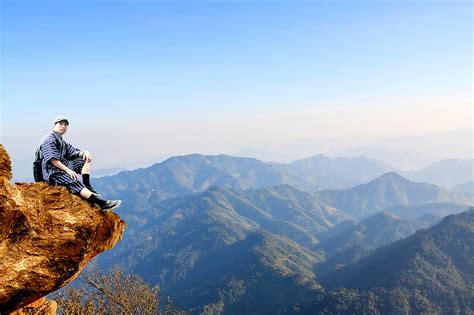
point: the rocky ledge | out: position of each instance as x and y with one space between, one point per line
47 236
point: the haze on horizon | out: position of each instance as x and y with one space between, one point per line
275 80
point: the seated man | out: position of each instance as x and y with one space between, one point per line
62 163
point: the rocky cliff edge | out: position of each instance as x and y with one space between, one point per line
47 236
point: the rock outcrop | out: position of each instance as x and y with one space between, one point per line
47 236
41 306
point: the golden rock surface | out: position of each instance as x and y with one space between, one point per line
47 236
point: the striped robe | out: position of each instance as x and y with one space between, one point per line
53 146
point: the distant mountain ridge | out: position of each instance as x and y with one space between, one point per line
386 191
445 173
464 188
182 175
415 212
341 172
195 173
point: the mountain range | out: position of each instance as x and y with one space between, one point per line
195 173
222 246
216 248
218 217
237 235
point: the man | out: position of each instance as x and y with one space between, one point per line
62 163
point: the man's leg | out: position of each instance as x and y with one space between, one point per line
76 187
103 204
85 193
80 166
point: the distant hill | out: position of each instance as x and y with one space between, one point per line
376 231
386 191
445 173
338 173
430 272
431 219
464 188
340 259
355 242
416 151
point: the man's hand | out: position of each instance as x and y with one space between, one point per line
72 174
86 156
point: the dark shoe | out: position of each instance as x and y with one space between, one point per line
93 191
111 204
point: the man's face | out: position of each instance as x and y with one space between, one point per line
61 127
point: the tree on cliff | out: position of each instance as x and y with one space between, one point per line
111 293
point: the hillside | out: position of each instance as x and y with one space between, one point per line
190 244
261 274
357 241
376 231
429 272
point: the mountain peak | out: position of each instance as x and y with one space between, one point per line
387 191
382 216
392 175
317 157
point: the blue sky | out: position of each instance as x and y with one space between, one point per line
182 71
